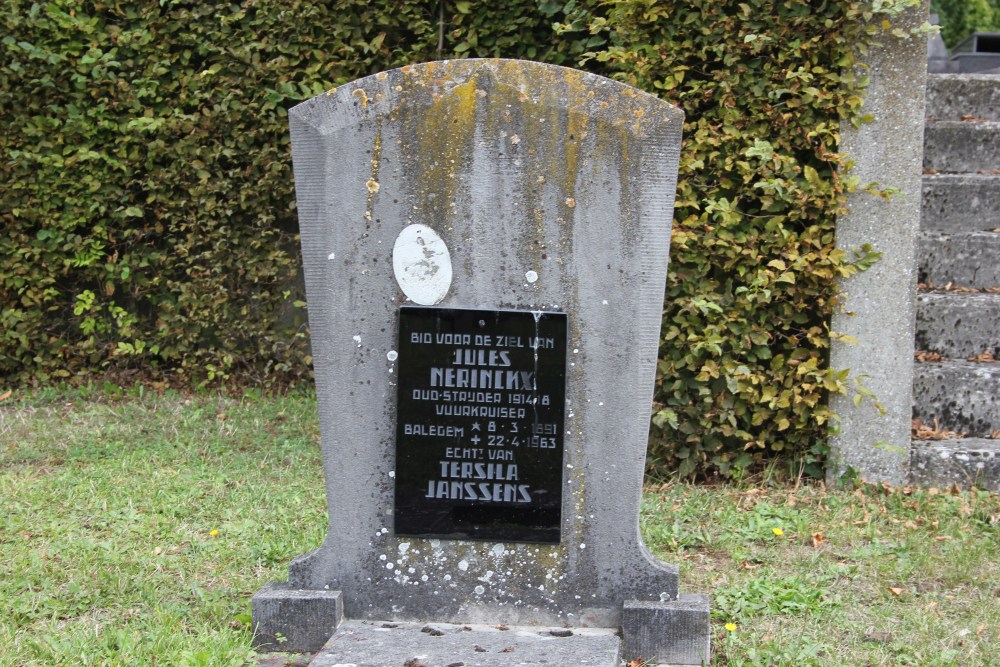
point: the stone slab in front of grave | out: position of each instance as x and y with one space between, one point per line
430 199
377 644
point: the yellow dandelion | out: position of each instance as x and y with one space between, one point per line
731 627
214 533
777 531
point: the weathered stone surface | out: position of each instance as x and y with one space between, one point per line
675 632
285 619
957 203
954 96
552 189
962 396
958 325
955 146
380 644
970 259
879 303
966 462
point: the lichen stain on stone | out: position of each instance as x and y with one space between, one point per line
372 184
361 96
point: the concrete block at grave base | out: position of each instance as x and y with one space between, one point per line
290 619
674 633
966 260
958 325
950 97
961 395
956 146
967 462
959 203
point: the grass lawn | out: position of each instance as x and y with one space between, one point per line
134 530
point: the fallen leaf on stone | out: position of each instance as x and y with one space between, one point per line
502 627
921 431
509 649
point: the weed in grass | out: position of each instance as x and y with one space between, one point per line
771 595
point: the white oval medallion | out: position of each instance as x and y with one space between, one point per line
422 265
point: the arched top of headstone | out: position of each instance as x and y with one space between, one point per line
496 81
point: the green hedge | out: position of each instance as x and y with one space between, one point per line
960 18
147 200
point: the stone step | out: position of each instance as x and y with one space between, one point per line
378 644
966 462
963 396
958 324
958 147
960 202
969 259
952 96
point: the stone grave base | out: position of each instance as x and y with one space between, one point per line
399 644
673 633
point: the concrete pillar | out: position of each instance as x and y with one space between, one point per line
878 304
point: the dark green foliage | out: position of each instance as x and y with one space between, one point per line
147 201
744 374
147 196
960 18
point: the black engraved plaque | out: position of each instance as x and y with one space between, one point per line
479 424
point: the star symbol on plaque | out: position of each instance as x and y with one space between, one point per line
475 426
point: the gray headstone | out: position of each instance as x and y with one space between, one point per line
486 184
